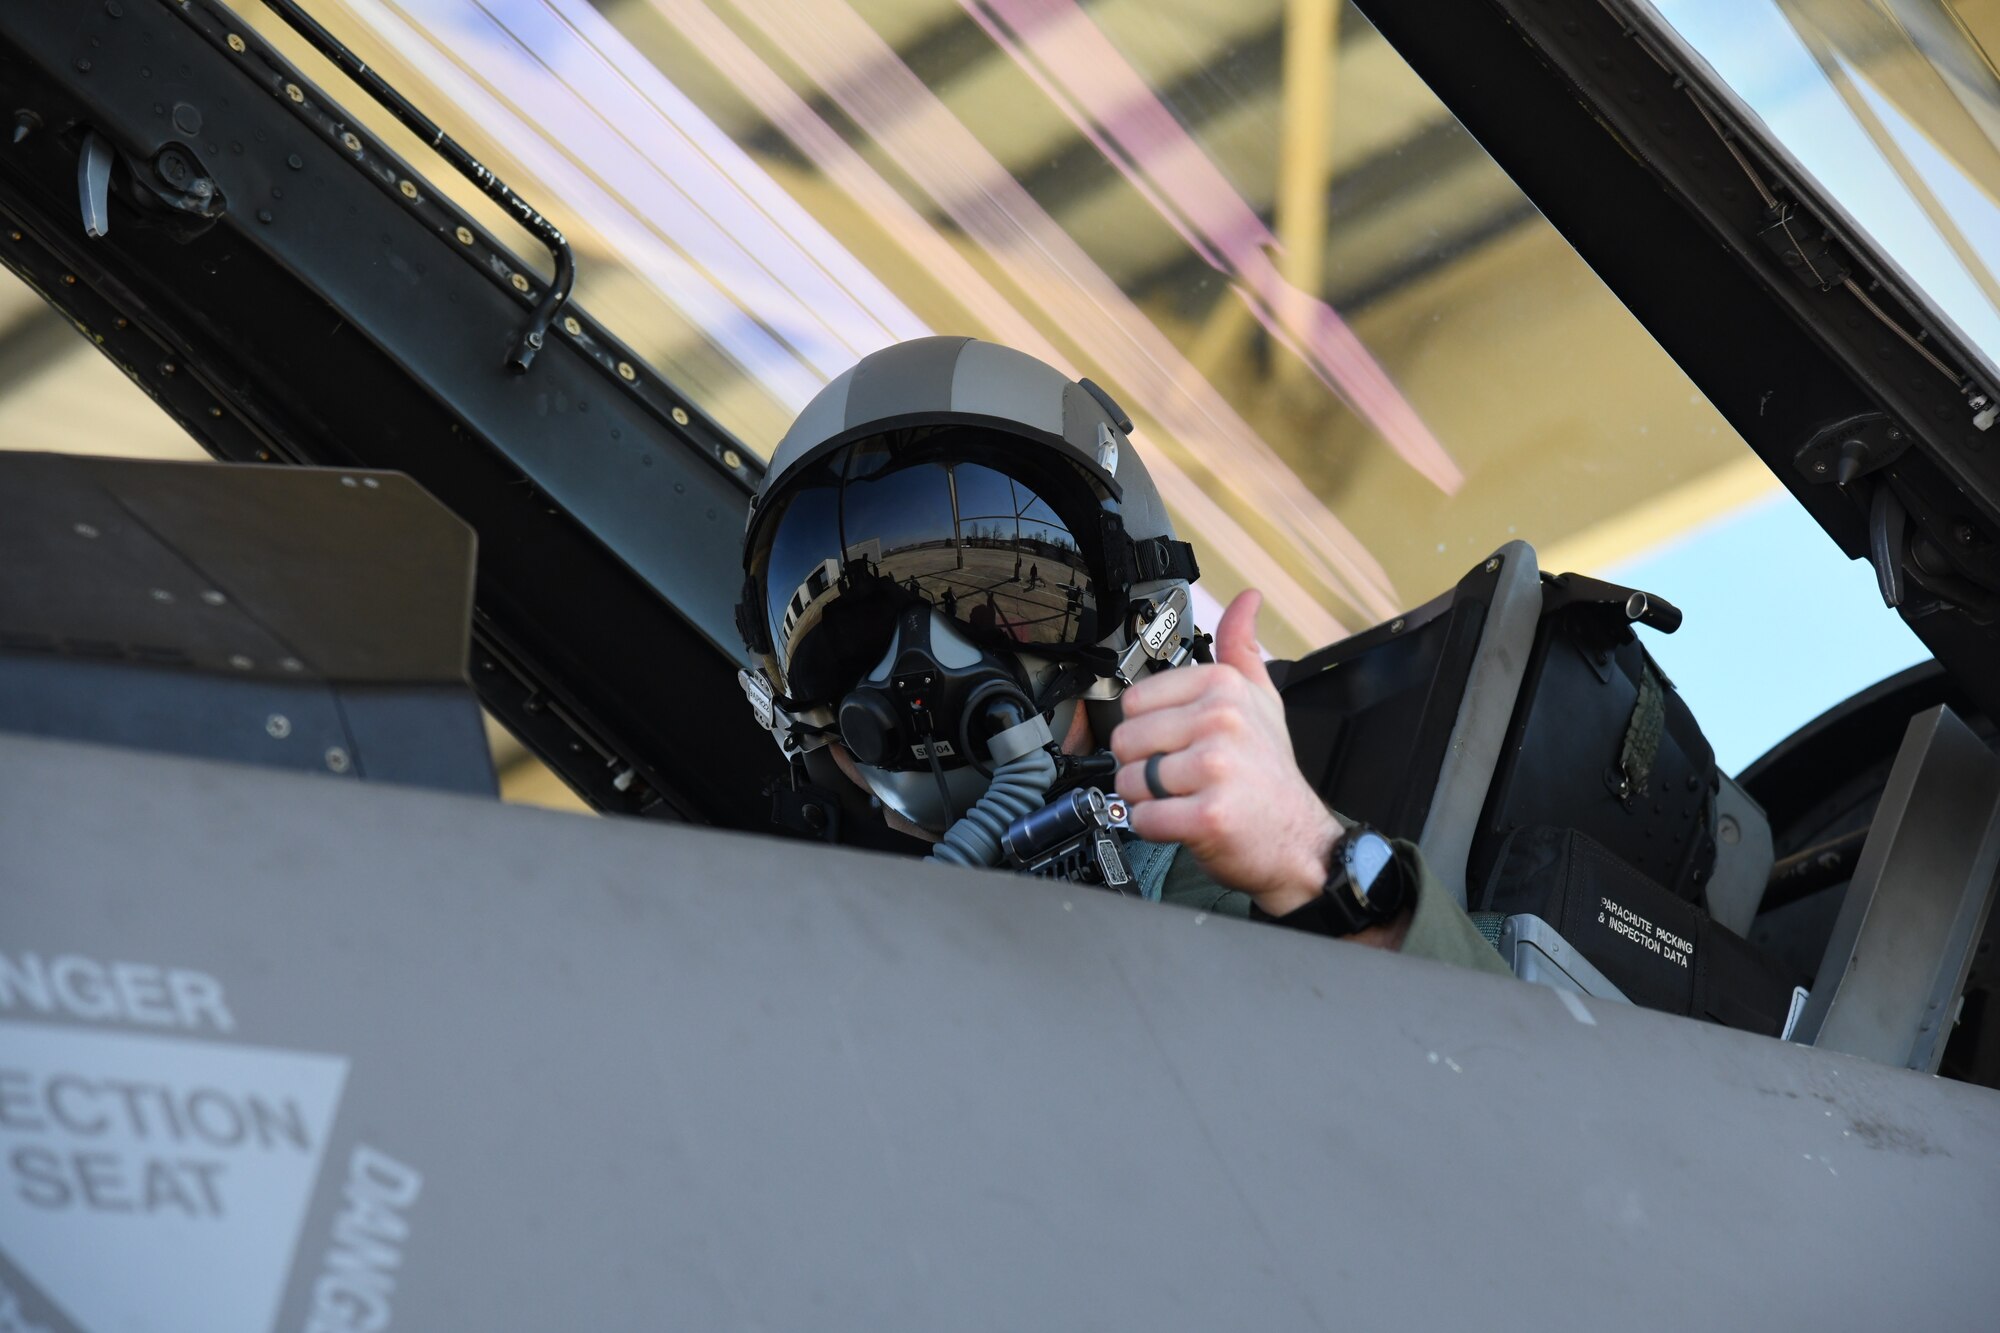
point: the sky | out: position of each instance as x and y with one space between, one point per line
1779 627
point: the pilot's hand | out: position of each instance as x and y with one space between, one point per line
1238 800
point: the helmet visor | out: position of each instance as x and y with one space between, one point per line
865 532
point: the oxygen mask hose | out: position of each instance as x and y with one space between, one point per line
1023 772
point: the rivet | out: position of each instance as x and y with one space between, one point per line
293 91
409 189
168 367
162 595
571 327
278 726
1396 625
240 662
236 43
69 279
215 411
85 530
625 371
731 459
213 598
680 416
291 664
264 216
295 162
13 235
353 144
349 481
336 759
464 235
121 323
371 483
520 282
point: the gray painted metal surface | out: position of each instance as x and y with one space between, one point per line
1506 641
572 1073
1537 952
1743 857
1902 944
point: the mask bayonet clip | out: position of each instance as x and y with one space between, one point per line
792 739
1166 637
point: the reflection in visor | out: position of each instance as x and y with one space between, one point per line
863 536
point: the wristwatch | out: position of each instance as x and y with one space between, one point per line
1365 887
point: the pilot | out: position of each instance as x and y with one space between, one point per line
902 650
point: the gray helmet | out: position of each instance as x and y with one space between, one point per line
981 484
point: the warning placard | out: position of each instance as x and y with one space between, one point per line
149 1182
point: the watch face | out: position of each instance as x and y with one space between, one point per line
1367 857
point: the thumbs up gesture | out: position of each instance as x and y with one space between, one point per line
1234 795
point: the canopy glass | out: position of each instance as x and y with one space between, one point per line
1359 359
1894 108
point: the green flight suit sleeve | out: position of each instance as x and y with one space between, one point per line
1439 927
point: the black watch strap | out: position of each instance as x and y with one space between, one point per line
1342 908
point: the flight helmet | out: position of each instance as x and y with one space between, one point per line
952 539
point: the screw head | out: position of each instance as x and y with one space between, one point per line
236 43
296 93
1493 564
571 327
336 759
278 726
731 459
213 598
409 189
1820 466
680 416
464 235
291 664
85 530
353 143
162 595
1396 625
240 662
626 372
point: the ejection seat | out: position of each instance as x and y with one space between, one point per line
1519 733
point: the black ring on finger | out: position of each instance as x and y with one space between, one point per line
1160 793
